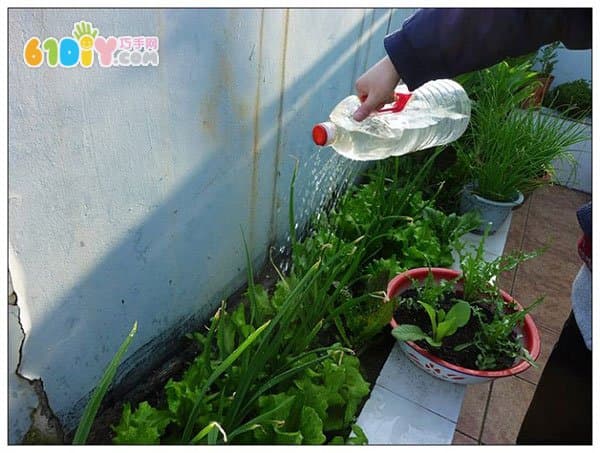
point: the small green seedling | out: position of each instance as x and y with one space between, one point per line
442 324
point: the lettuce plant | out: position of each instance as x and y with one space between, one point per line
443 324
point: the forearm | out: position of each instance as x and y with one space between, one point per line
442 43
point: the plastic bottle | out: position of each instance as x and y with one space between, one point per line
435 114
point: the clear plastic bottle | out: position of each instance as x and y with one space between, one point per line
435 114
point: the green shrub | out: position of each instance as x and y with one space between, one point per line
573 98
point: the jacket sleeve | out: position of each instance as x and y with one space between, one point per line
584 216
443 43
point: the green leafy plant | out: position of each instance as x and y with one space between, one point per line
359 438
202 407
443 324
428 297
448 229
323 398
495 92
389 227
496 338
574 98
144 426
366 319
480 277
495 341
354 232
528 58
506 84
274 370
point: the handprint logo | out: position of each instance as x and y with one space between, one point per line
85 35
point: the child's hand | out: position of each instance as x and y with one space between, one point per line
375 87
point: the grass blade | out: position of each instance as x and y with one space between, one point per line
211 431
255 422
251 288
215 374
89 413
291 214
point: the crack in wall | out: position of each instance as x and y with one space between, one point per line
12 296
45 428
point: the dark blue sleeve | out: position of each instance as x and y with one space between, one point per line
443 42
584 215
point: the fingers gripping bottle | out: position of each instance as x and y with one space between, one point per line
437 113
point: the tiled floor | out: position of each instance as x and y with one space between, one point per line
492 413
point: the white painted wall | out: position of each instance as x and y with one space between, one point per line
576 173
572 65
128 186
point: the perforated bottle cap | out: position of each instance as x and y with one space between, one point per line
324 133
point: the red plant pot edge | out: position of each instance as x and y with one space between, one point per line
530 332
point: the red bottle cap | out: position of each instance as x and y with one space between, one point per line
323 133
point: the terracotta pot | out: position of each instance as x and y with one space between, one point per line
448 371
536 99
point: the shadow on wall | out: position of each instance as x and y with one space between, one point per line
193 236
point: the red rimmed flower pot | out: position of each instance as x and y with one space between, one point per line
445 370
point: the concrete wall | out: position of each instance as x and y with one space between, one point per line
572 65
129 187
576 174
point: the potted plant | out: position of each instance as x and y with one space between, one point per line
460 326
546 59
506 149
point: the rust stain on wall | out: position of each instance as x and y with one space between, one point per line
275 202
255 147
218 93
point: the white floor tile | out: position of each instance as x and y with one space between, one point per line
494 243
388 419
400 376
